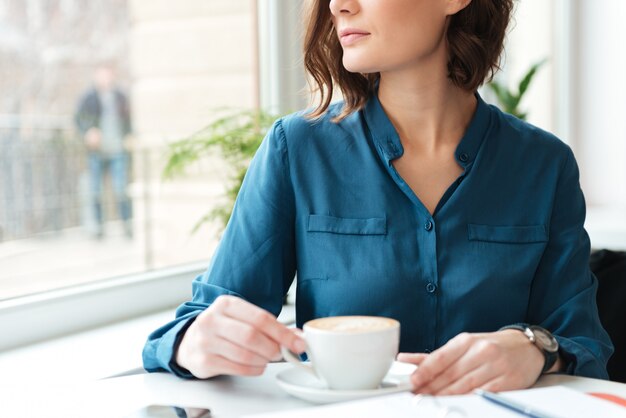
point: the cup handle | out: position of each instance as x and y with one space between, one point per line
292 358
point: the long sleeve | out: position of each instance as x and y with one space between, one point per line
255 259
563 294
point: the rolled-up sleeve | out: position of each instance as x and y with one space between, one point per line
255 259
563 295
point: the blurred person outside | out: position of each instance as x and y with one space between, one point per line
103 120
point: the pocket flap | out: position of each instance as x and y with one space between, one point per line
507 234
348 226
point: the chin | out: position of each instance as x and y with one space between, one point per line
358 66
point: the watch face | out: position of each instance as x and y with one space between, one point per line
545 339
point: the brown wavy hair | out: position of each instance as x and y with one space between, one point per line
475 37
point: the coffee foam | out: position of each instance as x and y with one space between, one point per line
352 324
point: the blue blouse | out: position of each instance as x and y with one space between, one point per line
506 243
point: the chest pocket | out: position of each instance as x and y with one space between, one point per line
344 265
342 248
347 226
508 234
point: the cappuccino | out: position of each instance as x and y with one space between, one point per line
352 324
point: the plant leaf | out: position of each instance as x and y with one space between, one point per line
523 85
508 100
236 136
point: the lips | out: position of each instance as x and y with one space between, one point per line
349 36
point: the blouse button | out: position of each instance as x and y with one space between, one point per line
430 288
464 157
428 225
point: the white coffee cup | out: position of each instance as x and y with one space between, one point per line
349 352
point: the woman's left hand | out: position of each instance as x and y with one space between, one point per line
497 361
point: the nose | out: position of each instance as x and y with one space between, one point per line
344 7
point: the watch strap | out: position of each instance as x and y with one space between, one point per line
549 357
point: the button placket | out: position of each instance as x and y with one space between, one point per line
427 238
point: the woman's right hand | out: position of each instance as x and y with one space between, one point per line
234 337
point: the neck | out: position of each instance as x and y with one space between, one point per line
428 114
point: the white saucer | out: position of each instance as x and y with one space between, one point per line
302 385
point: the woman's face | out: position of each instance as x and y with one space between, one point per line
386 35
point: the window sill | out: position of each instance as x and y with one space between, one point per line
88 355
95 354
41 317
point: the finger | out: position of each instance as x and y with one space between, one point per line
446 379
475 356
297 332
496 385
441 359
472 380
224 366
247 337
262 320
277 358
238 354
413 358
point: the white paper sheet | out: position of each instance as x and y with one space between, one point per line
557 401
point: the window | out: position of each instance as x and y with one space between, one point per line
175 65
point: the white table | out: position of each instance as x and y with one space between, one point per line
226 396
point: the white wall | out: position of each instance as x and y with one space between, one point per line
531 39
579 94
601 106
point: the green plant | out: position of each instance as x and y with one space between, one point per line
508 99
236 137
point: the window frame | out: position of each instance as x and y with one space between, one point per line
565 15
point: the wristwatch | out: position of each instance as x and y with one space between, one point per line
543 340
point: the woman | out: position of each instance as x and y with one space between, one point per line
412 199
